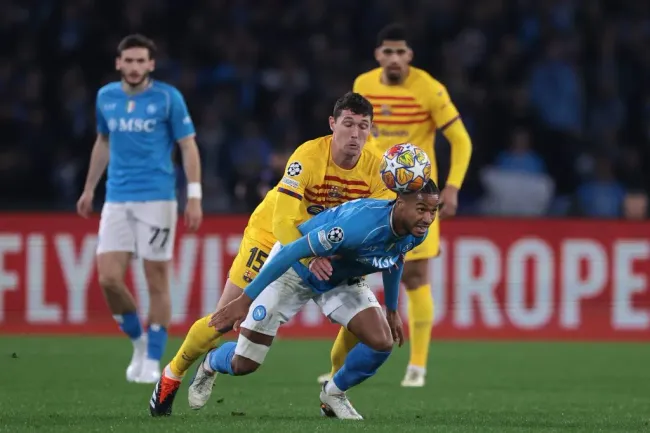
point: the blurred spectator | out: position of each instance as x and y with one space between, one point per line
520 157
517 183
556 89
601 196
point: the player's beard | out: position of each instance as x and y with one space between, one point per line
393 75
137 84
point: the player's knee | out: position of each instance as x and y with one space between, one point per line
381 342
380 339
242 366
110 282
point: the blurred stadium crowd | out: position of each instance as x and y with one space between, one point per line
555 93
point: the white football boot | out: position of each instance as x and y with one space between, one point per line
337 405
150 372
134 369
414 377
324 378
201 386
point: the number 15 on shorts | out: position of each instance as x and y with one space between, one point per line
255 262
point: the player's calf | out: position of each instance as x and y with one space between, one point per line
363 361
157 276
111 267
234 359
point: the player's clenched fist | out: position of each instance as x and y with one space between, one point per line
85 204
231 316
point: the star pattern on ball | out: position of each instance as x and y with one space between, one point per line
418 170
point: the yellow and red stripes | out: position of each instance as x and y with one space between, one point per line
405 108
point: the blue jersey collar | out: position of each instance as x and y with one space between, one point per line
147 87
390 221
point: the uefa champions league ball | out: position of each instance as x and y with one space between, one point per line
405 168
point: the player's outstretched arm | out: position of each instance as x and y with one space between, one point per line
278 265
287 215
290 209
98 162
234 312
446 116
391 278
461 152
192 167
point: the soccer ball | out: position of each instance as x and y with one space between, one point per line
405 168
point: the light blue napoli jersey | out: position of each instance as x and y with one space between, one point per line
359 239
142 130
359 233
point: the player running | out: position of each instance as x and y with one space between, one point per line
138 122
409 106
320 174
366 236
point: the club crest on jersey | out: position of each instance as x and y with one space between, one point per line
294 169
334 192
248 276
130 106
385 110
151 109
259 313
335 235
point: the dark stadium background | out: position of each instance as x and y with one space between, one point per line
552 242
260 77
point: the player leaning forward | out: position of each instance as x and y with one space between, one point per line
138 122
320 174
367 236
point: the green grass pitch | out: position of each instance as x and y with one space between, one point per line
75 384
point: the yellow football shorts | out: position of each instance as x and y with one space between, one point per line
430 248
253 251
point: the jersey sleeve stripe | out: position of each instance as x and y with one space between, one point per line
394 114
401 122
290 193
310 247
397 105
326 191
446 125
311 196
390 98
344 181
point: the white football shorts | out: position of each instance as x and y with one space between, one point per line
283 298
146 229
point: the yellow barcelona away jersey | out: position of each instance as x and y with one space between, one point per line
409 112
312 182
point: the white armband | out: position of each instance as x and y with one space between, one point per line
194 190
